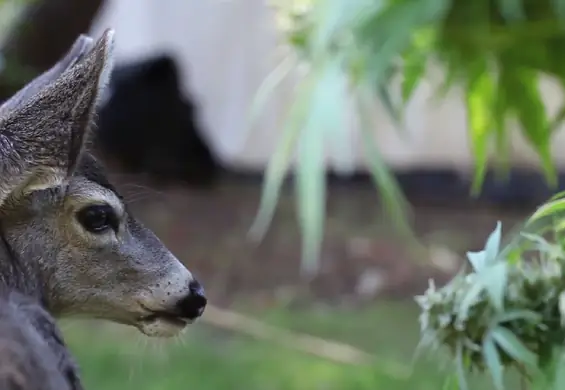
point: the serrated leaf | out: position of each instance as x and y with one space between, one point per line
331 18
325 114
470 299
558 119
500 118
278 164
478 260
494 279
337 104
559 195
517 315
405 19
493 362
393 111
540 241
448 81
509 343
328 18
414 69
479 99
531 112
541 245
549 208
311 206
492 246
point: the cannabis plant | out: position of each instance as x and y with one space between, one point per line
508 312
494 51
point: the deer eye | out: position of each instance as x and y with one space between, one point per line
98 218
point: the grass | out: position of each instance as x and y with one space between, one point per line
113 357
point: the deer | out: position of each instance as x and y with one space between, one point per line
69 246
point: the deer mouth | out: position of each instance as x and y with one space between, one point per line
166 318
161 324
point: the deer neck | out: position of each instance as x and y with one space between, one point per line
18 275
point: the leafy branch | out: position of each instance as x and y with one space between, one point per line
495 51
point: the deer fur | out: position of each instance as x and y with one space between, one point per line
33 355
68 244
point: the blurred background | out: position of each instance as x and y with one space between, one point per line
174 132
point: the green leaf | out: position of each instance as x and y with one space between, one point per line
484 258
494 279
530 110
335 104
512 10
559 371
559 228
387 33
325 115
543 246
559 195
550 208
561 307
268 86
491 279
558 119
479 99
311 202
493 362
492 246
465 39
461 366
509 343
393 198
500 117
517 315
471 299
450 383
333 18
478 260
393 111
278 164
541 243
414 69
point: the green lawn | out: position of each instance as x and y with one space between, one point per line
113 357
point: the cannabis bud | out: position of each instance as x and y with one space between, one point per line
507 312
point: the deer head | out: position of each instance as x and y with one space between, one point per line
67 232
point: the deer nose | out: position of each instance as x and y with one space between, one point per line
192 306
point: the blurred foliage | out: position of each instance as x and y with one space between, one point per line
9 10
494 51
13 72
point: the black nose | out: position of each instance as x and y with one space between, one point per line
192 306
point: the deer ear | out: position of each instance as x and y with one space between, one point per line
44 127
81 46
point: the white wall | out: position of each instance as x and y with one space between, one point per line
226 48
